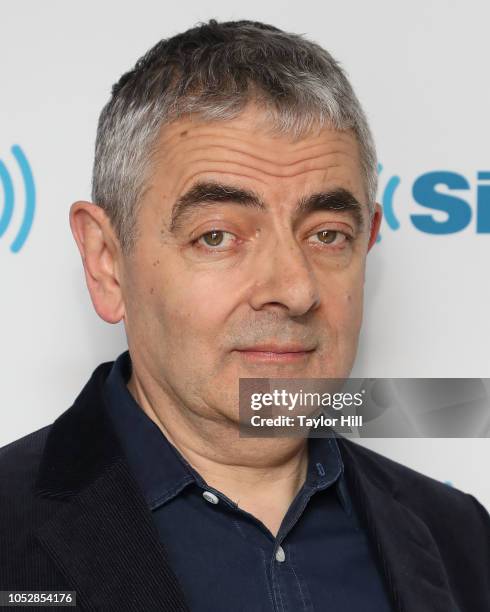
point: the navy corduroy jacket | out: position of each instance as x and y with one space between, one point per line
73 518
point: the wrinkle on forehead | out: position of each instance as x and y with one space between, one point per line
188 149
261 145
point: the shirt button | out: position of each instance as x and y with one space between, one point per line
210 497
280 554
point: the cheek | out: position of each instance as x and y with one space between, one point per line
193 306
344 304
352 319
353 309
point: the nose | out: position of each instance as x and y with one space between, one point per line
284 278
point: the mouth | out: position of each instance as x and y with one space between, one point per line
275 354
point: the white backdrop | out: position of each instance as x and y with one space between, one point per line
421 71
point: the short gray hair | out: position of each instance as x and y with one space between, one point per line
212 71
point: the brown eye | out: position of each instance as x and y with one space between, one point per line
213 238
327 236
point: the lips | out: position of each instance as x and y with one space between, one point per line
279 349
275 353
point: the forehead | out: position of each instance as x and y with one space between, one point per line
249 150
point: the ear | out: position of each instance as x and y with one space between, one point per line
99 249
375 225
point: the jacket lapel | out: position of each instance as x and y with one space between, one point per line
102 537
409 556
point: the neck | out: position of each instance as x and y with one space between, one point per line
261 475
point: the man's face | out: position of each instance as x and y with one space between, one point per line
241 247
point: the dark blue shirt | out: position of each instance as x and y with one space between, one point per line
225 558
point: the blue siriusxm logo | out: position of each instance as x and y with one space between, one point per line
9 198
426 192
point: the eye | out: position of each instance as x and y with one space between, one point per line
220 238
332 237
213 238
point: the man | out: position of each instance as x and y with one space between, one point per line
233 209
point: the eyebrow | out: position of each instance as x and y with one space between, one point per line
210 192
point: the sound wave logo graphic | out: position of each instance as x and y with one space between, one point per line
387 201
8 203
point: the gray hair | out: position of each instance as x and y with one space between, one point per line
212 71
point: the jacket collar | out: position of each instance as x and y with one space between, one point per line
104 540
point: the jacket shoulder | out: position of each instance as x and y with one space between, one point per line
407 482
441 506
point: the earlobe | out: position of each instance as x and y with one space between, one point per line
92 233
375 225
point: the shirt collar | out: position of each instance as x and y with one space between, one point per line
160 469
